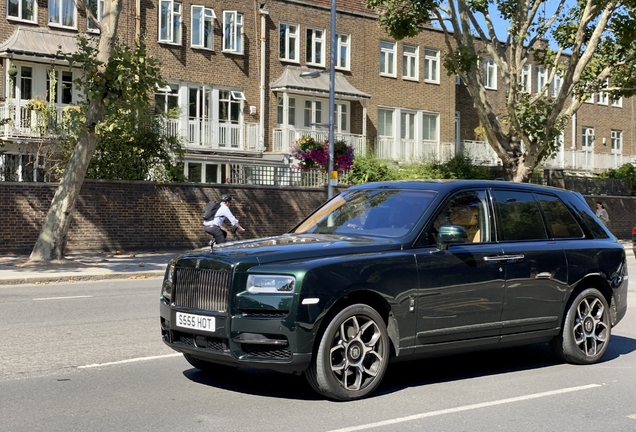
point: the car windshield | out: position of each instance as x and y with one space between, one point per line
382 212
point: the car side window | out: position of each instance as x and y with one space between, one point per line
561 222
518 216
466 209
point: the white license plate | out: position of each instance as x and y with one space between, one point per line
198 322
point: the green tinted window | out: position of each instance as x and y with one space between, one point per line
519 216
561 222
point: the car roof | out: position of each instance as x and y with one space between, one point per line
450 185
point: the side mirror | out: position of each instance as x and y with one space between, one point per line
450 234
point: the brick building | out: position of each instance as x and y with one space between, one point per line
234 69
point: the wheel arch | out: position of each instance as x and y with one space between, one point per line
369 298
592 281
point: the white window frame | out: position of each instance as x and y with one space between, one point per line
490 73
315 46
206 19
616 142
430 133
232 101
291 112
617 102
431 66
168 93
237 95
313 113
64 80
343 45
542 78
587 139
410 62
21 11
232 32
174 22
57 19
408 125
383 114
525 79
388 54
555 85
289 34
99 15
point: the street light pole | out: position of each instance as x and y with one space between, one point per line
332 101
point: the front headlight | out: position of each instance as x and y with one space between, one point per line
166 288
271 284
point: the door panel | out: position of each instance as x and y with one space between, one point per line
535 286
460 295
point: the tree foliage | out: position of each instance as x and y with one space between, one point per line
596 51
116 81
134 143
367 169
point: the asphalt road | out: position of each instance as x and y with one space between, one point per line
88 357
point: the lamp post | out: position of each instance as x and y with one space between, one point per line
332 98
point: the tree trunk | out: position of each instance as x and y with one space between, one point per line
52 239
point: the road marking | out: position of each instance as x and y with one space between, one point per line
466 408
139 359
633 416
61 298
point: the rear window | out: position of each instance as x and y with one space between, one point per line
519 216
561 222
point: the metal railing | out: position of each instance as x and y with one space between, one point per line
275 175
20 120
404 150
201 133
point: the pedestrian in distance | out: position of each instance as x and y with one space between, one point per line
213 226
601 213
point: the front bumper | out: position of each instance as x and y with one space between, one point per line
259 342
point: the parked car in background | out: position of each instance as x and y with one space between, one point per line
401 270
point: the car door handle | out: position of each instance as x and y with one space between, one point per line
504 259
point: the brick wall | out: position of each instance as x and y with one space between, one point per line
151 216
147 216
621 211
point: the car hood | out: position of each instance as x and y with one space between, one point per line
290 247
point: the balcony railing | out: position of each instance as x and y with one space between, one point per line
584 160
284 138
481 153
206 134
20 120
413 151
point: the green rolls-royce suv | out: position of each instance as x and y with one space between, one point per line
401 270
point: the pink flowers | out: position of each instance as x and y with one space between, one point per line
312 155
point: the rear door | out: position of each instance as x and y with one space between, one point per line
536 267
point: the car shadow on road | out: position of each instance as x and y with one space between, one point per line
256 382
403 375
464 366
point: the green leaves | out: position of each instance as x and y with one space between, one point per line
402 18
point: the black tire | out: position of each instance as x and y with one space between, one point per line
586 329
207 367
352 356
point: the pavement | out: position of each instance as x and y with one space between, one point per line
89 266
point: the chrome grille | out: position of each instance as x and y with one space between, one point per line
201 289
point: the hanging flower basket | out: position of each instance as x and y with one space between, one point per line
311 154
12 71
